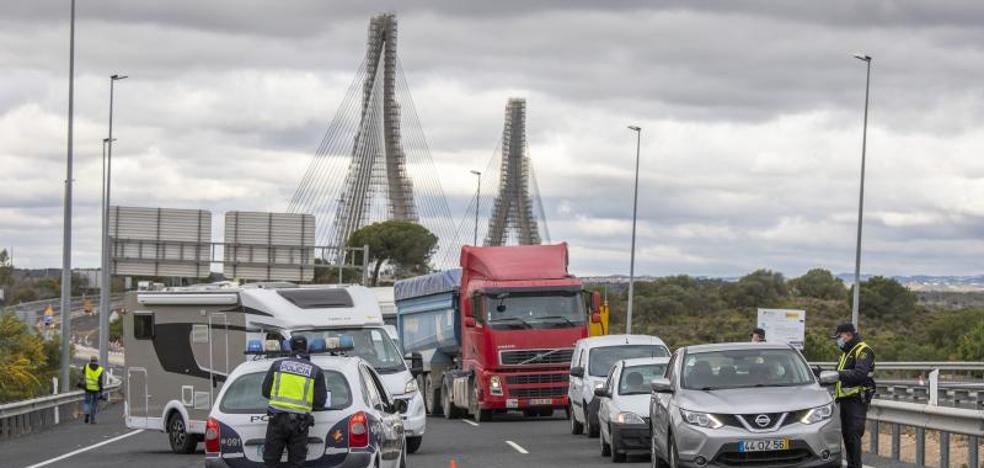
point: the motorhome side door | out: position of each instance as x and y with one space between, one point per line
218 351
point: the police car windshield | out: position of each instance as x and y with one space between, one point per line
717 370
244 394
372 344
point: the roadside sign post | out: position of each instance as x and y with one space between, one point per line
784 325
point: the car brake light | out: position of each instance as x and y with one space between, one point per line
212 436
358 430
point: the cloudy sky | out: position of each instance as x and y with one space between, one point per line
751 114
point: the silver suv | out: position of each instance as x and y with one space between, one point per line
743 404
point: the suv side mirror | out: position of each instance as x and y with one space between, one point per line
661 386
601 392
829 377
577 371
416 362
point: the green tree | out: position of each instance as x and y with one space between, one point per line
406 245
116 329
22 359
885 298
6 269
970 346
761 288
819 284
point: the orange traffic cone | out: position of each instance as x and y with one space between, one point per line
453 464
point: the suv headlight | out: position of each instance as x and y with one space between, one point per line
411 386
820 413
495 385
626 417
698 419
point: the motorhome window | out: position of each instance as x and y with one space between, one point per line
321 298
199 333
371 344
544 309
143 326
244 394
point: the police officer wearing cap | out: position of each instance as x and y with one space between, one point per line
294 387
854 389
758 335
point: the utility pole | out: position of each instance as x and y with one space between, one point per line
478 204
635 209
856 302
66 280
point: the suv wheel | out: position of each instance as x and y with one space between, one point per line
576 426
606 450
593 429
413 443
178 437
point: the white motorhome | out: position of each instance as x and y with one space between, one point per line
182 343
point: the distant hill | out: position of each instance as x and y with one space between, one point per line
918 283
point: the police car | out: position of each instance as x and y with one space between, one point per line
360 427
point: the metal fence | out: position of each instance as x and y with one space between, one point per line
27 416
920 418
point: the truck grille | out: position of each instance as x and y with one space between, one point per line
542 392
537 379
536 357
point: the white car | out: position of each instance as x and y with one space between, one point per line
361 426
623 406
593 358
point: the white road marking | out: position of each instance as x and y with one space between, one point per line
844 463
470 422
85 449
517 447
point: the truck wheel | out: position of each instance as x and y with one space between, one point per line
178 437
432 399
483 415
450 412
576 426
413 444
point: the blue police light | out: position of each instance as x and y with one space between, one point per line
254 346
317 345
285 346
346 342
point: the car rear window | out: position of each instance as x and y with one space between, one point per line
244 395
635 379
602 359
321 298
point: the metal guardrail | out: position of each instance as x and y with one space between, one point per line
922 418
918 366
23 417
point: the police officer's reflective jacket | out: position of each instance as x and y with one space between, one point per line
93 378
856 368
294 385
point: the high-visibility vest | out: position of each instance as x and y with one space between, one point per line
92 378
845 392
293 387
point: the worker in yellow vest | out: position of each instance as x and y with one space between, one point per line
854 389
92 383
294 387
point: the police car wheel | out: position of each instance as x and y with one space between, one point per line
413 444
178 437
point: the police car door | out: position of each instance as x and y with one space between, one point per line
386 427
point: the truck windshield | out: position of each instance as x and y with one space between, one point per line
601 360
745 368
534 309
372 344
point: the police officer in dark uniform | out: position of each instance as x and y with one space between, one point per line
854 389
758 335
295 387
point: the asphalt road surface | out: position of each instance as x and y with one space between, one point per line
509 442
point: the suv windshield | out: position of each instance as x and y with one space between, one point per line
745 368
534 309
602 359
372 344
635 380
244 394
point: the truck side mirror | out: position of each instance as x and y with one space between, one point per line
416 364
596 302
577 371
595 317
470 322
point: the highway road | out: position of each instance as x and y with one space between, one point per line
509 442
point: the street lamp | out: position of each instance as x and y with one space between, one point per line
635 209
478 202
66 273
856 302
104 290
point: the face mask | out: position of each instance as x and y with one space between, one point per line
841 343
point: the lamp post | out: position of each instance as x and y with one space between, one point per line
856 302
106 286
478 203
66 276
635 209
